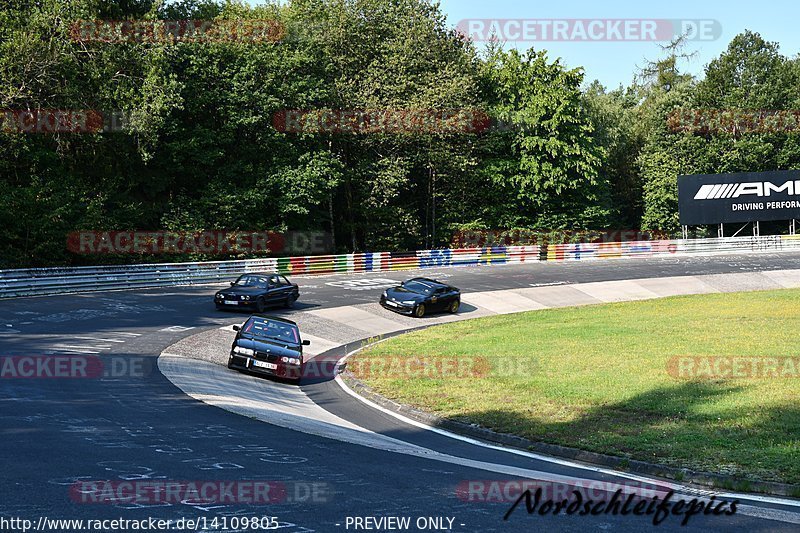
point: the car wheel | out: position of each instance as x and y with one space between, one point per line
419 312
454 306
290 300
261 305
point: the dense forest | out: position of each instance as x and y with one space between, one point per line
204 144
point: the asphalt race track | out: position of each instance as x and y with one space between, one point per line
135 425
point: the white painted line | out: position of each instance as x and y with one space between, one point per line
274 403
97 339
291 408
70 348
100 347
563 462
769 514
177 329
280 405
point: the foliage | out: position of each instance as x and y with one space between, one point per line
200 149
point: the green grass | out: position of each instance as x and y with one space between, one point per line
596 378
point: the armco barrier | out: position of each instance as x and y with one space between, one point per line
611 250
42 281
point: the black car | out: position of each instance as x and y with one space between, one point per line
419 296
268 345
258 291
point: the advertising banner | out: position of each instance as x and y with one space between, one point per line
740 197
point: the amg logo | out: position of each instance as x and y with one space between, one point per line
735 190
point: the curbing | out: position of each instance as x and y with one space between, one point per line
681 475
685 476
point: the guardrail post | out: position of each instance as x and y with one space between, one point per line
43 281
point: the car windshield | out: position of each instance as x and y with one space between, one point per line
419 286
258 282
272 329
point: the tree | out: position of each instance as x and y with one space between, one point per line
616 119
549 162
749 76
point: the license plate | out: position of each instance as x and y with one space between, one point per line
262 364
231 303
393 304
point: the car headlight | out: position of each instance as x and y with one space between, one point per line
244 297
243 351
408 302
290 360
385 295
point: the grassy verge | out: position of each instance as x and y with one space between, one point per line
598 378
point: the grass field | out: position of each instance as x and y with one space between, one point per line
597 378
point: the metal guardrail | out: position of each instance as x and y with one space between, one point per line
44 281
587 251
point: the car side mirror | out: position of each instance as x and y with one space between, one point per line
306 343
237 328
233 283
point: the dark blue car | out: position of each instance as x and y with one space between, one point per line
257 292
